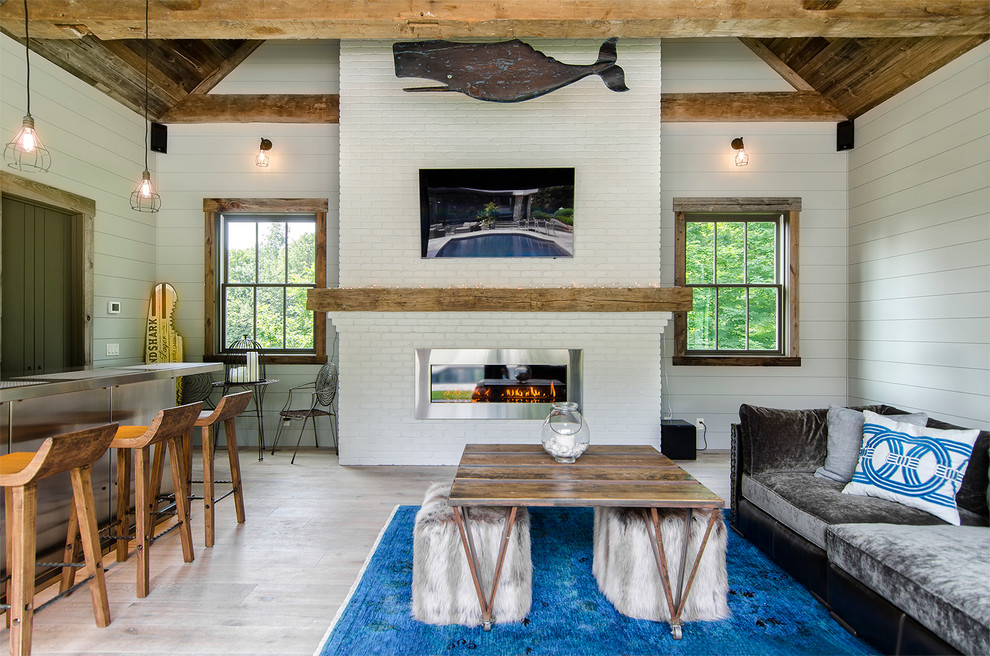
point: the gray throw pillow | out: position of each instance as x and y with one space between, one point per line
845 437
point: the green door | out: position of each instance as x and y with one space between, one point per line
41 287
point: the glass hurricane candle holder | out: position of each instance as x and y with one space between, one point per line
565 433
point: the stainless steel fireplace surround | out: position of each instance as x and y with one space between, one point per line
516 363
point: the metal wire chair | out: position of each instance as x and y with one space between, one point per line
324 392
196 387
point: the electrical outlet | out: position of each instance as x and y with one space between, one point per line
700 423
113 349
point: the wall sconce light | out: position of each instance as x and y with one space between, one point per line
25 151
263 159
741 158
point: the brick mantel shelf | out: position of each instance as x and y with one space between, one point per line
496 299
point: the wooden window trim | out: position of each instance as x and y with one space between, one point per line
791 207
215 206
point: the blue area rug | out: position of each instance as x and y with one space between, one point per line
771 613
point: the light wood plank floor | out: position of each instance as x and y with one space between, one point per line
271 585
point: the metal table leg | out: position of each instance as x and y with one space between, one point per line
259 392
467 540
676 606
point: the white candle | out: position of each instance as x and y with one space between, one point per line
252 365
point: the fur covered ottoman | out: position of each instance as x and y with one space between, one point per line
442 589
625 564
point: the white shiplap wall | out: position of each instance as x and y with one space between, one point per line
97 152
919 247
786 159
217 161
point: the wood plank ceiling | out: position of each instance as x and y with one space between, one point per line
842 57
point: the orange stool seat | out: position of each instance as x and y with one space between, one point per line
19 475
164 433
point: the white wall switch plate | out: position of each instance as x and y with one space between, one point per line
113 307
113 349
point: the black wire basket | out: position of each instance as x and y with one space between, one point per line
243 362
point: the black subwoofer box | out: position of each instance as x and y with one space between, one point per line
678 439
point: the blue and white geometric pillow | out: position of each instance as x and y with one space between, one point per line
913 465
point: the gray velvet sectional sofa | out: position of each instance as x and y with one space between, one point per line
902 579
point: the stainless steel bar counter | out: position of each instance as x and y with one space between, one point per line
35 407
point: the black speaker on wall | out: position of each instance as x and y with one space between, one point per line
844 135
159 138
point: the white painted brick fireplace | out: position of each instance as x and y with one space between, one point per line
612 140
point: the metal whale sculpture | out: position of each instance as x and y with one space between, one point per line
509 71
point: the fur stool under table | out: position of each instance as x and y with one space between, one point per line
625 564
443 591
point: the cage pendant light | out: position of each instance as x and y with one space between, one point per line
144 198
25 152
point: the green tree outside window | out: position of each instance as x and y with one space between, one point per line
269 263
733 264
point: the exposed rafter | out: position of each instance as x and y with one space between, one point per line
225 67
774 62
251 108
757 106
855 75
842 58
404 19
674 107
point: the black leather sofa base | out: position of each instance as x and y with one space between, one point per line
877 621
799 558
863 612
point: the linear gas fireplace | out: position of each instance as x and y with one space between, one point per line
495 383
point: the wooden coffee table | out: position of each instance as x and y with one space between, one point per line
625 476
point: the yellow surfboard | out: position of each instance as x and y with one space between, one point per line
163 343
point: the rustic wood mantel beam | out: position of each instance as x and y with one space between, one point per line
255 108
768 106
491 299
416 19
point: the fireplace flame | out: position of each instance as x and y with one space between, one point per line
518 393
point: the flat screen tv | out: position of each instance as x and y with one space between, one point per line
497 212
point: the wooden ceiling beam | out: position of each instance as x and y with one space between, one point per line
674 107
773 61
416 19
748 107
735 107
182 5
228 65
255 108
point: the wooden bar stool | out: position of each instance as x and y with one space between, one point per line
227 410
19 475
165 432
